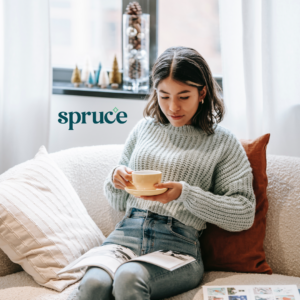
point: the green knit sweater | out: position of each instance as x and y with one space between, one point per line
214 171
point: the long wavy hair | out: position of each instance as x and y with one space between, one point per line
189 67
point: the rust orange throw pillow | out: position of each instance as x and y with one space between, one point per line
242 251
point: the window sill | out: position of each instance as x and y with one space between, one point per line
67 88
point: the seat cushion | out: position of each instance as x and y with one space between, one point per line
21 286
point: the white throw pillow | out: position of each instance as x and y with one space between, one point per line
44 226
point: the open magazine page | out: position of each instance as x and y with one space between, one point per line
107 257
169 260
251 292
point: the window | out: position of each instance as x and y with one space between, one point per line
85 28
191 23
93 28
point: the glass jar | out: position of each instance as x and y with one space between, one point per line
136 35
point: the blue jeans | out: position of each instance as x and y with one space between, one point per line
143 232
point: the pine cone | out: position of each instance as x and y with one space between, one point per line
133 8
137 44
135 69
137 26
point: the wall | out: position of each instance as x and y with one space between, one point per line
91 134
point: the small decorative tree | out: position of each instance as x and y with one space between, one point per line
115 75
103 79
90 81
86 70
98 74
76 80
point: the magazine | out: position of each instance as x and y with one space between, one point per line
251 292
111 257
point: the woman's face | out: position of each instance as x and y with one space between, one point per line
179 99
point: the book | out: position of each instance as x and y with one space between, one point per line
251 292
111 257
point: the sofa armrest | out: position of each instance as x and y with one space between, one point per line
283 223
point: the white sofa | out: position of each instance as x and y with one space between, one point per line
87 167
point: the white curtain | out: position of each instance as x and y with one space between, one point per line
25 79
260 46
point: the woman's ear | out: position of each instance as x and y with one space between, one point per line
202 93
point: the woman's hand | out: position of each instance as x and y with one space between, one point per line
172 193
121 177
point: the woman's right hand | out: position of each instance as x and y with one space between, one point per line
121 177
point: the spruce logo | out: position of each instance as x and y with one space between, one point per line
75 117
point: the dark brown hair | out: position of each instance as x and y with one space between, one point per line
189 67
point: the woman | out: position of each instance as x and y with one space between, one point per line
204 167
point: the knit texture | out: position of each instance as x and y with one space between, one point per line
214 171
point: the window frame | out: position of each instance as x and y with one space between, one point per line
61 76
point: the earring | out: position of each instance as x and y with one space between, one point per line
202 101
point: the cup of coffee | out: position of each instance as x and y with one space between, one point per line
145 179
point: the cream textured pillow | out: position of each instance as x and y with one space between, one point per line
43 224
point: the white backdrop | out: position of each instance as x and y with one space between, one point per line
25 79
260 46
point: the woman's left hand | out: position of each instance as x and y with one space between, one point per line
172 193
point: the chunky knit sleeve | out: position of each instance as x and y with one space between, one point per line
117 197
231 205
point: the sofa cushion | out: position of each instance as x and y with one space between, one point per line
20 286
242 251
43 224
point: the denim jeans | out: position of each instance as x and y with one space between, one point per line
143 232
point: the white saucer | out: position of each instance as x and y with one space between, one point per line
133 191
